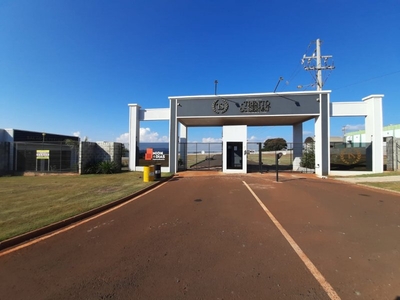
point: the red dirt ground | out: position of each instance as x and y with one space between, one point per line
206 237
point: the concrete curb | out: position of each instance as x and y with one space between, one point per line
58 225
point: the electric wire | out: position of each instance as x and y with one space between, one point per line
297 68
370 79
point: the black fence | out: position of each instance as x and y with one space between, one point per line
344 157
200 156
4 158
262 160
45 157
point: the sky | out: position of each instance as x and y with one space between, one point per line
72 67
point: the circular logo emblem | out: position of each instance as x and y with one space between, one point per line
350 156
220 106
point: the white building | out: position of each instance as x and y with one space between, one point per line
360 136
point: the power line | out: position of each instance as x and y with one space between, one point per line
370 79
297 68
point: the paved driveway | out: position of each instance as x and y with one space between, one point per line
222 237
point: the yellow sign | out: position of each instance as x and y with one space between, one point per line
42 154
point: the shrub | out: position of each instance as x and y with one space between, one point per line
308 158
107 167
91 167
103 167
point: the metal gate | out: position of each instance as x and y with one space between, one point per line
262 160
200 156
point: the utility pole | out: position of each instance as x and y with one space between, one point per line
314 63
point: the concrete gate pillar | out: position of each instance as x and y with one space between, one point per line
134 135
297 145
182 144
373 130
322 145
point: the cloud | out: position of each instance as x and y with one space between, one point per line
211 140
123 138
148 136
354 127
77 133
253 138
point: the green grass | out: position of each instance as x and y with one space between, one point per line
31 202
392 186
268 158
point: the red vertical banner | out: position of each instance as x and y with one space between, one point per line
149 154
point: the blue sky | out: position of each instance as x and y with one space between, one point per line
72 67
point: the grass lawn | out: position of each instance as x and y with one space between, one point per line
391 186
31 202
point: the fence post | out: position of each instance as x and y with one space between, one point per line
397 154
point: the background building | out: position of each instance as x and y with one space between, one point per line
359 136
24 151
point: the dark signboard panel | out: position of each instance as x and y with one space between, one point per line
31 136
249 106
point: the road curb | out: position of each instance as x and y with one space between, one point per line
58 225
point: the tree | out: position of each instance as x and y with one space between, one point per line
275 144
309 140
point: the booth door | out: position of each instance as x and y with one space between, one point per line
234 155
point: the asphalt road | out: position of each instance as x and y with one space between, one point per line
207 237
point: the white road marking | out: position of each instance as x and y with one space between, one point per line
310 266
45 237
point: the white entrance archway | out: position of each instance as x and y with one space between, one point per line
261 109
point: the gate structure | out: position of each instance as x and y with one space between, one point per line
235 112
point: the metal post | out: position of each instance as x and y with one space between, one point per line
319 70
308 61
209 156
259 157
276 165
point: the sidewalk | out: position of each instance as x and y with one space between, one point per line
370 179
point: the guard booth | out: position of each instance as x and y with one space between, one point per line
234 149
